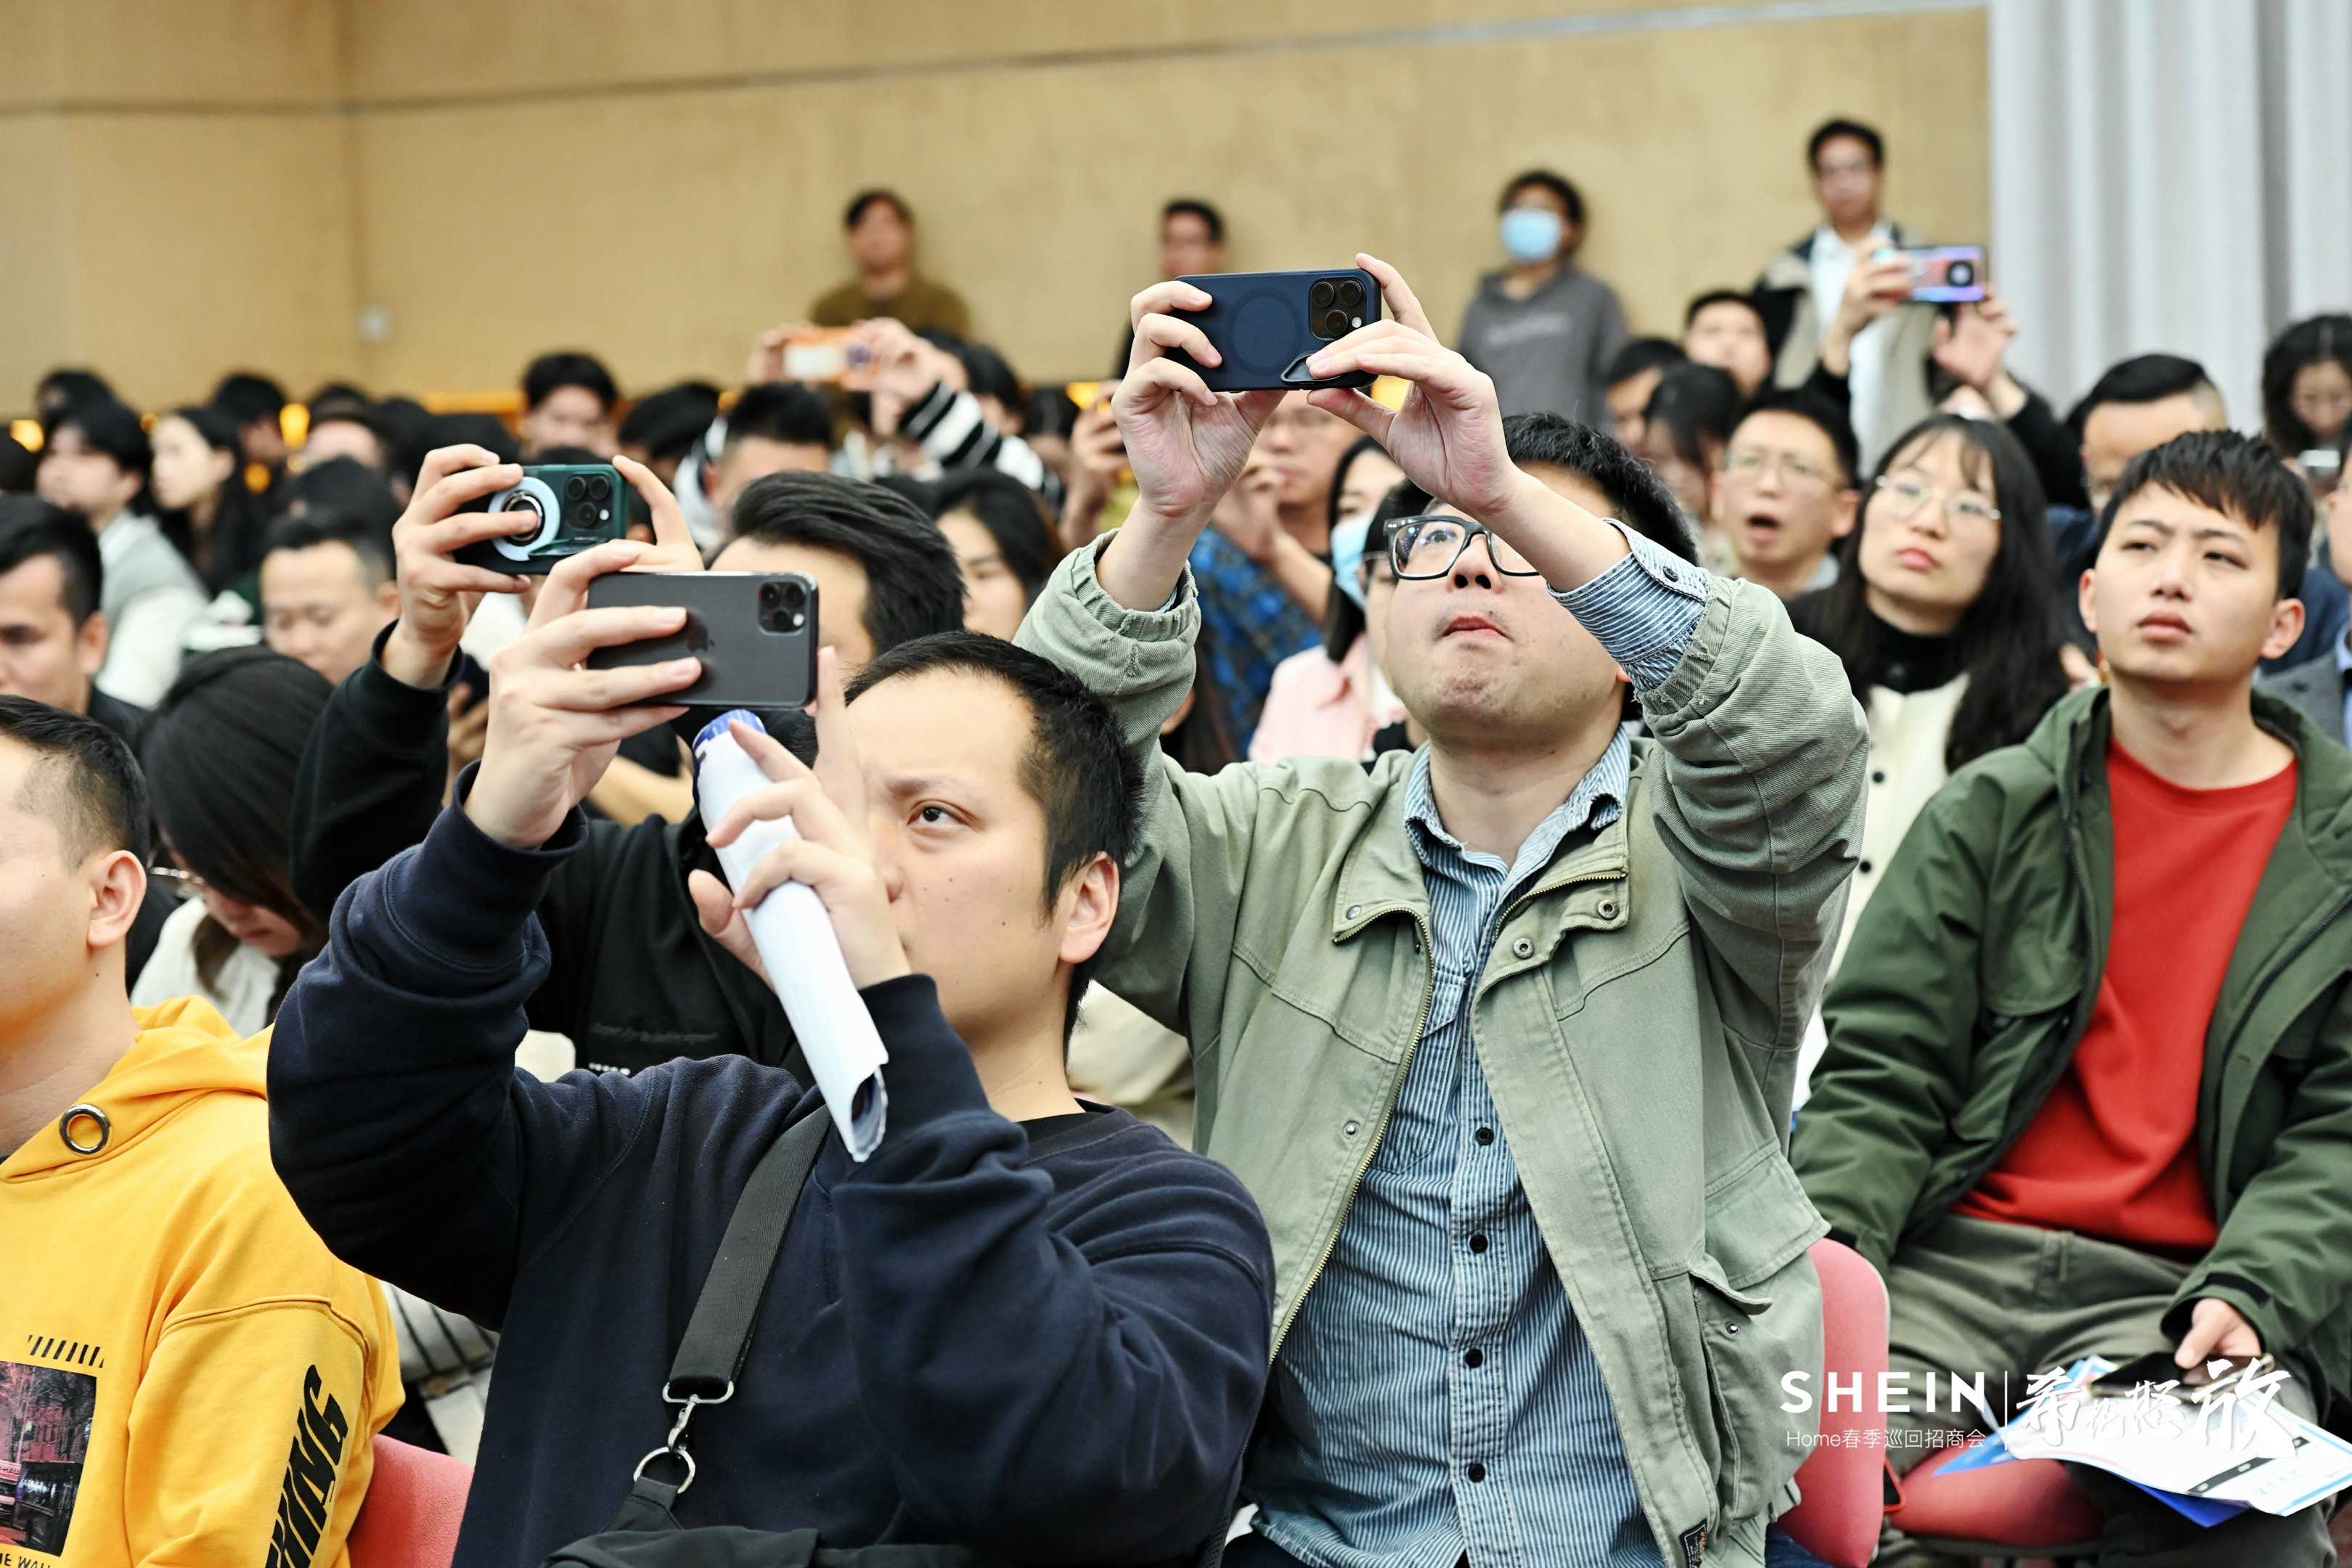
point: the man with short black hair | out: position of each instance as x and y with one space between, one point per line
880 229
95 465
1724 328
1192 238
2089 1074
327 590
258 405
1500 1034
1543 327
1787 491
2135 406
663 427
1022 1326
52 636
346 426
778 427
635 980
1632 376
190 1376
1802 289
569 399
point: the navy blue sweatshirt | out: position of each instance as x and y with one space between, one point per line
1048 1354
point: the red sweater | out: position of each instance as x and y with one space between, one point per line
2113 1150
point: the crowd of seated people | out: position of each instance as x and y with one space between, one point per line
1397 919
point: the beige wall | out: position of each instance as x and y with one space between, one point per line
179 193
658 182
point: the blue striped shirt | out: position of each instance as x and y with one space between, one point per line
1436 1397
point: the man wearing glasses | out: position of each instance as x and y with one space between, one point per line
1501 1034
1785 494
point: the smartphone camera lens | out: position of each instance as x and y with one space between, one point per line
792 595
575 488
599 486
1351 295
1321 295
1335 324
1961 274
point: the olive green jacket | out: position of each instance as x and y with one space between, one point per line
1970 980
1638 1018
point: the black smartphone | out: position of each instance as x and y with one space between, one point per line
560 509
1265 324
755 633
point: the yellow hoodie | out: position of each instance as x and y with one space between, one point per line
187 1376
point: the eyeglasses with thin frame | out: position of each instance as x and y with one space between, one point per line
1905 497
1428 545
1793 471
186 884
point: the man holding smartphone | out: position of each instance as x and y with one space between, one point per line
1501 1034
1027 1327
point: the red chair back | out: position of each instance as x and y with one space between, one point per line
1844 1496
409 1517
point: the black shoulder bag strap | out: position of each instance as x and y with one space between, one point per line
718 1335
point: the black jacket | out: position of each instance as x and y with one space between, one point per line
1044 1341
632 978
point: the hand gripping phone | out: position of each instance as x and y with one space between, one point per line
1265 324
755 633
560 509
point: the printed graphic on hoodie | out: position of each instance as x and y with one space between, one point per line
306 1496
45 1414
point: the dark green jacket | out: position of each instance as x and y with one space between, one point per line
1971 979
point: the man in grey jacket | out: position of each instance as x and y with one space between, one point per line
1500 1034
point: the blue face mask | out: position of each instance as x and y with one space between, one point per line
1347 542
1532 234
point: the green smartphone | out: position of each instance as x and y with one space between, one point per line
560 509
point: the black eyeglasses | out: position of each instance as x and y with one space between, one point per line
1428 546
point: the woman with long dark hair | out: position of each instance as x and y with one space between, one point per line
223 748
2307 385
1943 616
203 502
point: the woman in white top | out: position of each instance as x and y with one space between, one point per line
1944 613
220 753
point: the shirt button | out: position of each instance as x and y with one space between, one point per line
1863 867
1485 1135
1471 1359
1478 1244
1475 1470
1522 947
1669 573
1878 777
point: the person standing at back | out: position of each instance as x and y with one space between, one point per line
1191 245
880 226
1801 290
1544 327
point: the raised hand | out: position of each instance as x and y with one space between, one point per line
554 724
833 855
1973 345
1185 443
437 594
1447 436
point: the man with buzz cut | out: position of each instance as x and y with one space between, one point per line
186 1374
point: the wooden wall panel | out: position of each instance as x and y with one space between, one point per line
1036 185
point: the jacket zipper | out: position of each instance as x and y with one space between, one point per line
2080 1021
1372 1144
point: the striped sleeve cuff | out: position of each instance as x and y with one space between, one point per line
1644 610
